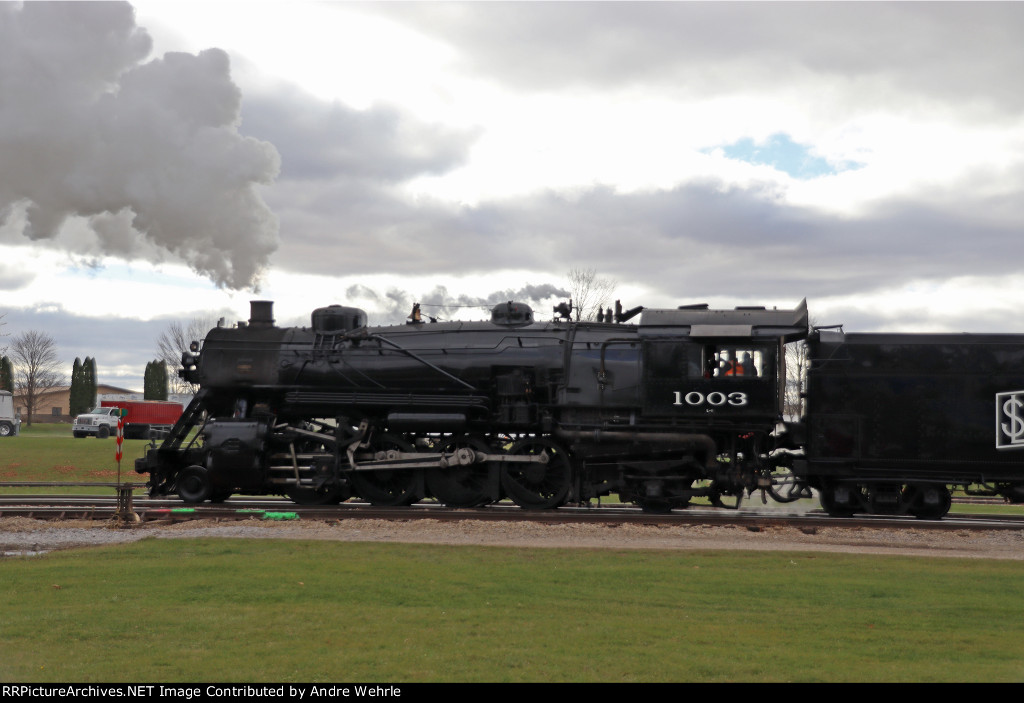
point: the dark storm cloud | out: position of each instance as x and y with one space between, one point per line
320 140
339 196
704 239
698 239
957 52
133 150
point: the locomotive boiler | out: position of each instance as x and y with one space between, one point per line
682 403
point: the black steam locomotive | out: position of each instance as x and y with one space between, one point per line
687 402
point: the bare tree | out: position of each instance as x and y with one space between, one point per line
3 346
36 368
175 340
797 363
589 292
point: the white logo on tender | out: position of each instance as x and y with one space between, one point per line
1010 420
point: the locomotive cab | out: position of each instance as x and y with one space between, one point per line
711 393
718 365
702 379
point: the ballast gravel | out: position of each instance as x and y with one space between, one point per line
25 536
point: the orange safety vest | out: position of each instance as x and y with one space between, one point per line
733 369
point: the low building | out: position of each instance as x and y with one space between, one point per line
54 405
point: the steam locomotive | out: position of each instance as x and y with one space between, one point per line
684 403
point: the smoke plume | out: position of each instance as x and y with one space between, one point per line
139 150
395 305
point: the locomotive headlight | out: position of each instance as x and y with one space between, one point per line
193 347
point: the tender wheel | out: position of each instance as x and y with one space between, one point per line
1014 493
388 486
537 486
194 484
465 486
6 429
830 506
927 502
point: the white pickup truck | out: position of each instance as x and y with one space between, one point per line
9 424
101 422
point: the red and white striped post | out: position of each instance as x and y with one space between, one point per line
120 439
125 506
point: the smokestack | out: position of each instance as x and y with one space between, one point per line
261 313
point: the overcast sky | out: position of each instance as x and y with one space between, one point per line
162 160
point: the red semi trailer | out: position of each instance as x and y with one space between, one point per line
142 417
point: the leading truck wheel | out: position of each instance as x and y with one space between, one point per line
194 484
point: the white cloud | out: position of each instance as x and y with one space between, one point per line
337 50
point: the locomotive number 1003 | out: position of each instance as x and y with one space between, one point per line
714 398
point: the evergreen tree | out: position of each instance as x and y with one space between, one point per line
76 394
89 382
6 375
82 394
92 380
155 383
161 373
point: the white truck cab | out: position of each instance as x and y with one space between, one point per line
10 424
101 422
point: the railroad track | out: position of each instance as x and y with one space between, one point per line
146 510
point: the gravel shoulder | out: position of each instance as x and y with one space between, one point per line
19 536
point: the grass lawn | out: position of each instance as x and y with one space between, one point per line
276 610
50 453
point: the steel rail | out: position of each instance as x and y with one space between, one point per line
165 510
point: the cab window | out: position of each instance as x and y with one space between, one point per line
672 360
736 362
